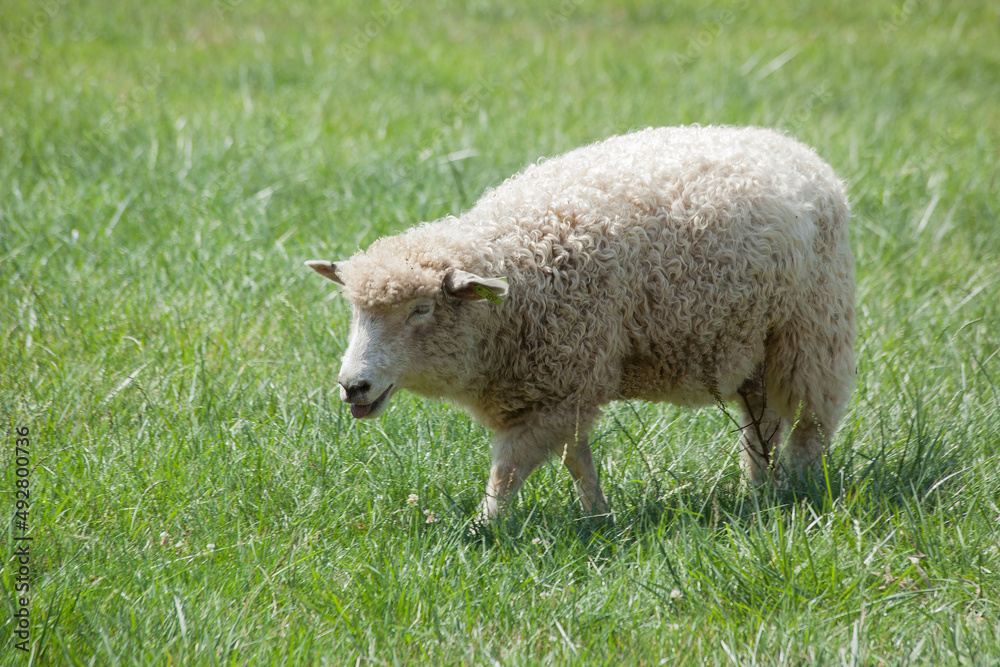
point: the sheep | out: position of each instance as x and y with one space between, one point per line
692 265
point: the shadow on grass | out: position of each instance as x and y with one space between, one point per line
912 468
535 519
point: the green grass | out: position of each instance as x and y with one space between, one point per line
199 495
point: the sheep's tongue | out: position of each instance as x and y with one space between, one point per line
359 411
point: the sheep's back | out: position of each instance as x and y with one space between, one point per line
656 262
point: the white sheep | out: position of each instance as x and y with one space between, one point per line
683 264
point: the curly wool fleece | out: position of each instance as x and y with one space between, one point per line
684 264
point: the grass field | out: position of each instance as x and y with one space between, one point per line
200 495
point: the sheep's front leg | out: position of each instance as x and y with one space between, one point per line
516 452
580 463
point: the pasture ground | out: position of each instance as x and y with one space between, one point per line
199 495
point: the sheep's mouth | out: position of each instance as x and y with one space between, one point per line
372 409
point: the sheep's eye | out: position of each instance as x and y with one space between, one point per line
421 309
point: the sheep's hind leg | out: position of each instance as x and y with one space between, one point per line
810 375
808 444
762 429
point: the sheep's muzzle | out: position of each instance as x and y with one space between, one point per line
359 410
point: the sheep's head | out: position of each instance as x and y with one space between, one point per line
409 328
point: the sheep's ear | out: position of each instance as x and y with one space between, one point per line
326 269
466 286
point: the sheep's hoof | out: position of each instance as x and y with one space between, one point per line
479 527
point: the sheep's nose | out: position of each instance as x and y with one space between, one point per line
355 389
